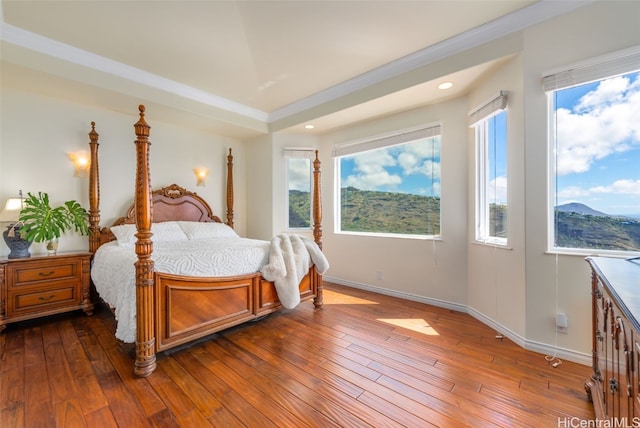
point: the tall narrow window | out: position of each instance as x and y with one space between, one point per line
490 123
390 184
299 177
595 155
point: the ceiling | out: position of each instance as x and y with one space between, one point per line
244 68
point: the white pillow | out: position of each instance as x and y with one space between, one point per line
167 231
202 230
125 233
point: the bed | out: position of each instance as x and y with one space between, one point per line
173 309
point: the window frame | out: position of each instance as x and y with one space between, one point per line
593 70
308 155
388 140
483 163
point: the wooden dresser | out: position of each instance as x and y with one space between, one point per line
44 285
614 387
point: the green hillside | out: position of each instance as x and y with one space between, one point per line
370 211
299 209
401 213
576 230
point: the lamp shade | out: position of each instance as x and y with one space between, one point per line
11 210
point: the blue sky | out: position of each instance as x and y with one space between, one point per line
598 145
408 168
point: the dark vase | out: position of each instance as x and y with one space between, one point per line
19 247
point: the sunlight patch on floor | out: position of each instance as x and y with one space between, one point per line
334 298
415 324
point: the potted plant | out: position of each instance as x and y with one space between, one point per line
42 223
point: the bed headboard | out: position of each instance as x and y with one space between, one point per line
173 203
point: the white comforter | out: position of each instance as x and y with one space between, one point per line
113 271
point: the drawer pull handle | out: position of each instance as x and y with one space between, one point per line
51 272
46 298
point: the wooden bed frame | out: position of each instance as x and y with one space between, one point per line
174 309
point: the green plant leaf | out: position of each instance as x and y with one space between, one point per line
43 223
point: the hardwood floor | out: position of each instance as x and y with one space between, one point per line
362 360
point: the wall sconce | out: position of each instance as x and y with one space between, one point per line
201 175
81 163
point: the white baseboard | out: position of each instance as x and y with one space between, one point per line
542 348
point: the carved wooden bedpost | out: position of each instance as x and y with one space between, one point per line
145 340
317 203
230 189
317 221
94 191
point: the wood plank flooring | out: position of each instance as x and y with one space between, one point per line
362 360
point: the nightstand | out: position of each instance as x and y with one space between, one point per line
37 286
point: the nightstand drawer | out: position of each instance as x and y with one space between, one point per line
31 274
44 285
43 299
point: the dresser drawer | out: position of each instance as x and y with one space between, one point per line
19 303
44 285
36 273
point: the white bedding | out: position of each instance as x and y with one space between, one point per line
113 271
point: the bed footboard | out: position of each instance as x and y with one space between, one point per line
189 308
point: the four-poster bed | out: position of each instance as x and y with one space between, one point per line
173 309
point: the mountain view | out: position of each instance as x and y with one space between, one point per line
373 211
578 225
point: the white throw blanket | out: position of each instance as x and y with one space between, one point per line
290 257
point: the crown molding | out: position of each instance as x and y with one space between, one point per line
53 48
508 24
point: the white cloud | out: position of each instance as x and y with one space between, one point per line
572 192
298 175
418 158
620 187
602 123
371 173
498 189
384 169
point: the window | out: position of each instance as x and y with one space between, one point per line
490 123
595 139
299 177
390 184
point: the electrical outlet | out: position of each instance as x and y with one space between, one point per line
562 324
379 276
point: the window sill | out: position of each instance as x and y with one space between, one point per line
493 244
591 252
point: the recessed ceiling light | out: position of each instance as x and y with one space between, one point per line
445 85
309 126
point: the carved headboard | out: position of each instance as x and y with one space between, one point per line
171 203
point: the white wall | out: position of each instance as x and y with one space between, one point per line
259 212
497 288
37 133
419 268
594 30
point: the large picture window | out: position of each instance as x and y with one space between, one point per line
595 195
490 124
390 184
